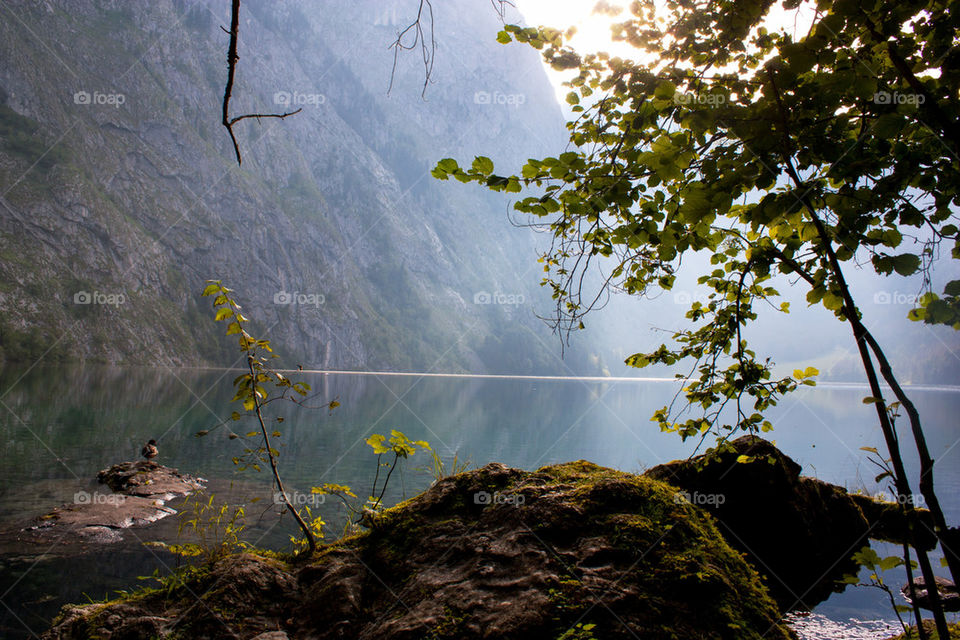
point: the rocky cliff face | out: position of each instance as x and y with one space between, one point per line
120 194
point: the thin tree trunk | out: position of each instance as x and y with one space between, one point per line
311 541
943 532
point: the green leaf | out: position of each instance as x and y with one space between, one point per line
906 264
223 313
504 38
483 165
376 441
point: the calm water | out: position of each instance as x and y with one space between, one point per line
60 426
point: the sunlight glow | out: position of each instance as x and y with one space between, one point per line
593 19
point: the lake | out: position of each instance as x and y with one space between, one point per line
61 425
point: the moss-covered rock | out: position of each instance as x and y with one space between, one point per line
800 532
493 553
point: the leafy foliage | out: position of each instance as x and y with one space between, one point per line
775 155
402 448
253 393
217 529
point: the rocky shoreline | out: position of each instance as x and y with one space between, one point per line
573 549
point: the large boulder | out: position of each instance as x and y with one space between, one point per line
495 553
800 532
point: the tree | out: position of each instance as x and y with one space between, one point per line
779 157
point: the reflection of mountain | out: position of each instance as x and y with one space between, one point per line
68 422
122 196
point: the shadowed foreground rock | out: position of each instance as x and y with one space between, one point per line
493 553
799 532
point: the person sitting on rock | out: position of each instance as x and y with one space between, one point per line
150 450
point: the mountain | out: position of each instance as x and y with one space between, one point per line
121 195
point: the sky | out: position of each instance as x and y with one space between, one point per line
593 28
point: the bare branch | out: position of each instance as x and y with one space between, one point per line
424 38
232 59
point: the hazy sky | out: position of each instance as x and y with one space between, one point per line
593 29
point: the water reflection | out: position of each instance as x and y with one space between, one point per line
62 425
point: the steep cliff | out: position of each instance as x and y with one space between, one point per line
120 195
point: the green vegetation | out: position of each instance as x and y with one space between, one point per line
913 634
777 156
254 394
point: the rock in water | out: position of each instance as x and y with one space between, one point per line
799 532
147 478
495 553
949 596
142 489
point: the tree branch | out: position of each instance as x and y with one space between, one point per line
232 59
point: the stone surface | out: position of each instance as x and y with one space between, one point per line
142 487
799 532
493 553
949 596
148 478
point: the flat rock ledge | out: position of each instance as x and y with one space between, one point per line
138 497
495 553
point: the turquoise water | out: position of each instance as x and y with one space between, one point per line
60 426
